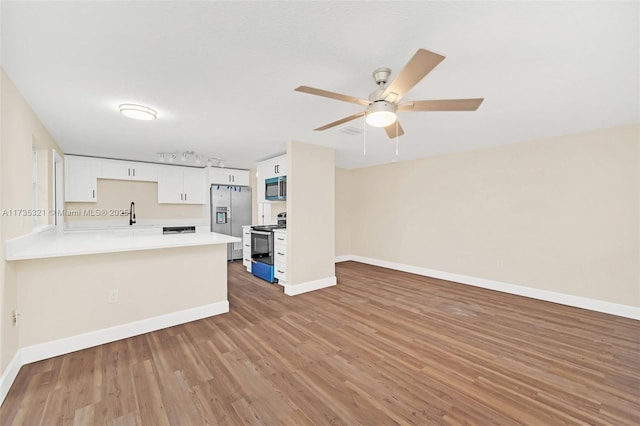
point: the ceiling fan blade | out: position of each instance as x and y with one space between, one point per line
442 105
418 66
342 120
332 95
391 129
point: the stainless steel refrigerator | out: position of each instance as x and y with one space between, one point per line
230 211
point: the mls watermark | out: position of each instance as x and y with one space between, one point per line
64 212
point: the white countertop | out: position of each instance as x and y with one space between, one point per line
52 243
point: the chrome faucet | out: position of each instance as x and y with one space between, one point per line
132 213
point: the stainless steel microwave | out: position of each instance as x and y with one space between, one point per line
275 189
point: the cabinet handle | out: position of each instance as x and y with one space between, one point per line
282 272
185 196
247 245
134 172
181 196
94 193
247 260
281 254
280 239
129 172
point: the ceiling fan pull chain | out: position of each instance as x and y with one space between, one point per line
396 137
364 137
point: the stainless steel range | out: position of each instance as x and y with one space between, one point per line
262 249
262 243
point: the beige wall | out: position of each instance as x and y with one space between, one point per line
343 213
118 194
20 131
310 213
559 214
64 297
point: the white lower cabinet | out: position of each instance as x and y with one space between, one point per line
280 255
246 247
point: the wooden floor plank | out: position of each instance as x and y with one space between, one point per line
382 347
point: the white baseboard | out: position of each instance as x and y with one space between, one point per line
617 309
99 337
9 375
66 345
293 290
344 258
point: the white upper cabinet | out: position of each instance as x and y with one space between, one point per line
181 185
176 184
228 176
194 186
81 178
273 167
129 170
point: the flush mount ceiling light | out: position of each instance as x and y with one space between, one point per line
381 114
138 112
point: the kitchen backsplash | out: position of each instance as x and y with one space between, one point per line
115 197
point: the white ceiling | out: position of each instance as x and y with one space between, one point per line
221 74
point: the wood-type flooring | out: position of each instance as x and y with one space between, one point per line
380 348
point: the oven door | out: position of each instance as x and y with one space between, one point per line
262 246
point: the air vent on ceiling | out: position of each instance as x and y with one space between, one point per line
350 130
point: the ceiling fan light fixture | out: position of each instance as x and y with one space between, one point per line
381 114
138 112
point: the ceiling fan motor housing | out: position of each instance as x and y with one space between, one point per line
381 105
381 75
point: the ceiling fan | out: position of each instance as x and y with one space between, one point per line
384 102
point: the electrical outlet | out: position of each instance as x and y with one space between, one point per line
14 318
113 296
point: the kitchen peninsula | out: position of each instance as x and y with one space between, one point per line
85 288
